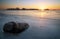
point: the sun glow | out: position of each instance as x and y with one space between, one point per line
42 7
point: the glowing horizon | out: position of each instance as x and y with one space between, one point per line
39 4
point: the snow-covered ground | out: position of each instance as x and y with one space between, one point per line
43 24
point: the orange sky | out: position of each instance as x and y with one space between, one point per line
32 6
39 4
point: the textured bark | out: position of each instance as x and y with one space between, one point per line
13 27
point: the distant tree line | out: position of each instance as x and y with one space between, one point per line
20 9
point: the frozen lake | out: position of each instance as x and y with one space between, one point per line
43 24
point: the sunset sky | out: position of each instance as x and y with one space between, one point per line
39 4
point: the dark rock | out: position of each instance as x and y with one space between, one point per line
13 27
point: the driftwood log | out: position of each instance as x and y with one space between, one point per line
13 27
